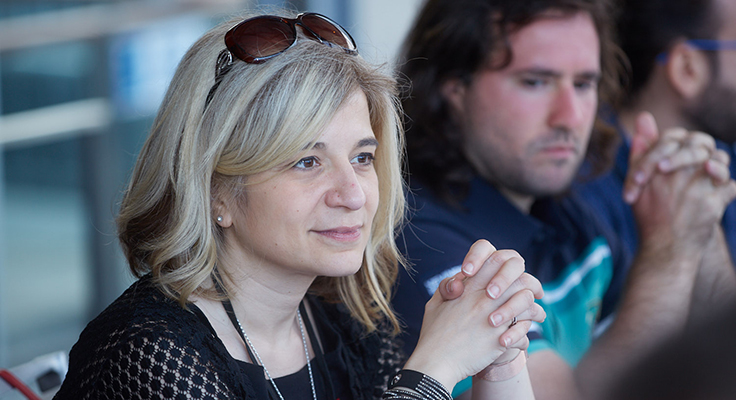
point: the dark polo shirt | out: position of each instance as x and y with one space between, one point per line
579 264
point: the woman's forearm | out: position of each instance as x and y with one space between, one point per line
519 387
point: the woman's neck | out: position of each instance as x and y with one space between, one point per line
266 308
268 315
263 295
265 302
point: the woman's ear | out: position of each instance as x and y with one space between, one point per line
453 90
221 213
688 70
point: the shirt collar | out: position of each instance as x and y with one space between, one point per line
516 230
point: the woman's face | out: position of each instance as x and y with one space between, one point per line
314 218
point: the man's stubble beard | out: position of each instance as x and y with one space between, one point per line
714 112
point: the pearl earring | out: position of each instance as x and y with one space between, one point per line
219 218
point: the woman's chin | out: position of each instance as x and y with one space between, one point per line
346 268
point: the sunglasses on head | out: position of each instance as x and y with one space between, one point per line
258 39
261 38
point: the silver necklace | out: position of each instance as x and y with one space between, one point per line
306 353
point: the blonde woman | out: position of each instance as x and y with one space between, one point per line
260 219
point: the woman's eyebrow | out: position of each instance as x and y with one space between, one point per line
371 141
367 142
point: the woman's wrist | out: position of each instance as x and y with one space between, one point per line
508 355
504 370
433 366
410 384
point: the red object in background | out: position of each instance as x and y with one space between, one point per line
18 384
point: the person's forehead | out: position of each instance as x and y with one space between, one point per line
557 38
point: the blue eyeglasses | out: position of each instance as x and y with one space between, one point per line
703 44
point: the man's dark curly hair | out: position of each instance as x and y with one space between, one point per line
453 39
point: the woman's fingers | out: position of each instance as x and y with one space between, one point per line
528 281
505 283
473 314
477 256
509 266
515 334
491 269
453 287
535 313
520 302
521 344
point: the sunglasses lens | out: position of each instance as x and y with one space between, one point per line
328 30
260 37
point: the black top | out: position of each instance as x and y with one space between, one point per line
293 387
146 346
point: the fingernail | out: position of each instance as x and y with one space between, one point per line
496 320
468 268
665 165
639 177
507 342
448 287
494 291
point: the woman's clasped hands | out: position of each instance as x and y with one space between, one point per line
469 322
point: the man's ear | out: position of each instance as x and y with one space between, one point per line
688 70
221 213
453 90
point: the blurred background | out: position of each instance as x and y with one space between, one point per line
80 82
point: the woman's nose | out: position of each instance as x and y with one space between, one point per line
346 189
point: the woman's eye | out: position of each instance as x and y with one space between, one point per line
307 163
364 158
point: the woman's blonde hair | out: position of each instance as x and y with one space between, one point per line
260 116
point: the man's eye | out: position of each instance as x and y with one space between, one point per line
585 85
533 82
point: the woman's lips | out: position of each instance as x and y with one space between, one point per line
341 234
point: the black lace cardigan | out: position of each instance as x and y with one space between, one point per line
146 346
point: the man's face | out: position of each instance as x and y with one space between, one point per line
527 125
714 111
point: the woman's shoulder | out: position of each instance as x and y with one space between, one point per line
146 345
143 307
